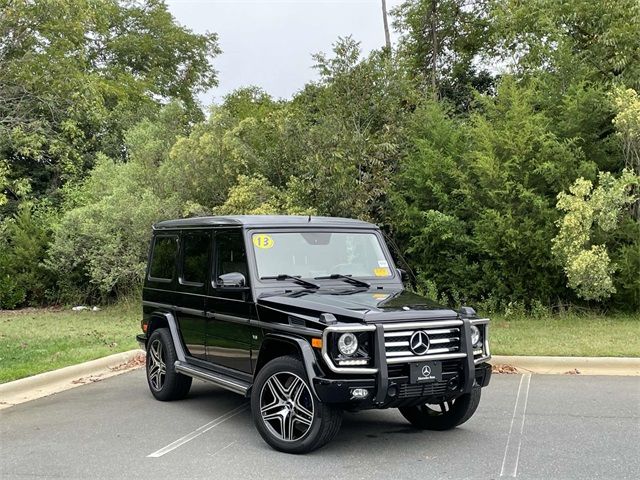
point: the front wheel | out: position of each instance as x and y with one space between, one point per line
443 416
287 414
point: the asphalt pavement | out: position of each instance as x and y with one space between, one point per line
529 427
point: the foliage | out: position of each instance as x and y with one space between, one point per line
596 41
591 212
76 74
442 42
460 143
482 193
256 196
25 240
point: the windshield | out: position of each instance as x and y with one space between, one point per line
316 254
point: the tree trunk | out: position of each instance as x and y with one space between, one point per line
387 37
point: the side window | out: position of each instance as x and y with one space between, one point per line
231 255
195 257
163 259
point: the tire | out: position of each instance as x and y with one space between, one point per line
164 382
449 414
288 416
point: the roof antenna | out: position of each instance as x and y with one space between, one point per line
309 218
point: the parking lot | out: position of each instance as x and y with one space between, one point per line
542 427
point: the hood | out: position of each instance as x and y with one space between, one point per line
358 305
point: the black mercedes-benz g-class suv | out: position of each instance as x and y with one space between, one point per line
308 317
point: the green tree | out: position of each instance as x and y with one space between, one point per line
591 217
76 74
475 199
442 43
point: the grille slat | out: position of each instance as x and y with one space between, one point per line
421 390
442 341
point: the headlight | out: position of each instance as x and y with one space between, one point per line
476 338
347 344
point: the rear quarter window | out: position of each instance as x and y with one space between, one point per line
163 258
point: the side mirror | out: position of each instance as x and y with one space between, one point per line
403 275
232 280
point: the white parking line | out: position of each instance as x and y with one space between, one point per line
199 431
511 452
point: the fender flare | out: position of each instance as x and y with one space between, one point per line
175 334
306 353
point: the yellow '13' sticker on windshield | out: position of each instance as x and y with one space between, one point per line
381 272
263 241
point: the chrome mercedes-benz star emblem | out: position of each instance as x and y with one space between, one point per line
426 371
419 342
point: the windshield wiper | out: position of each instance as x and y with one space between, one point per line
346 278
298 280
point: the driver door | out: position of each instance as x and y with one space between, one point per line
229 308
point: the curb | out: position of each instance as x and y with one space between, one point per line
48 383
567 365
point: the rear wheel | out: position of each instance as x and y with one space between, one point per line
286 413
164 382
443 416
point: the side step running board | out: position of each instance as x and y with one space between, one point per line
224 381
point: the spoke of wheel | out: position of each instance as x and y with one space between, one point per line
303 415
296 388
277 389
289 421
443 407
271 411
296 385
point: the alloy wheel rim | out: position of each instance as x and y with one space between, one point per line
286 406
157 368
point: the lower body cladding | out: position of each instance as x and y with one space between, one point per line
397 390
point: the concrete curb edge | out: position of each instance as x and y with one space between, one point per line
570 365
47 383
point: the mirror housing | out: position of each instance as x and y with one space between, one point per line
232 280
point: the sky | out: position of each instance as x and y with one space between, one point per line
269 43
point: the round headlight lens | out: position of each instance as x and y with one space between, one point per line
347 344
475 336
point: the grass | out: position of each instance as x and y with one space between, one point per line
37 340
571 335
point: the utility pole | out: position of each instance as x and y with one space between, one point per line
434 48
387 37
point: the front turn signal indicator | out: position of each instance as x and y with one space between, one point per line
316 342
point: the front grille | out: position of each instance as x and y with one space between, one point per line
407 390
444 341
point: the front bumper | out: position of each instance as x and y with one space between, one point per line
396 391
390 384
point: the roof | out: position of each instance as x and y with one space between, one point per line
263 221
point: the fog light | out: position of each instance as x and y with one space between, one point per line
359 393
475 336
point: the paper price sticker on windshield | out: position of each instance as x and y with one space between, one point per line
263 241
381 272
